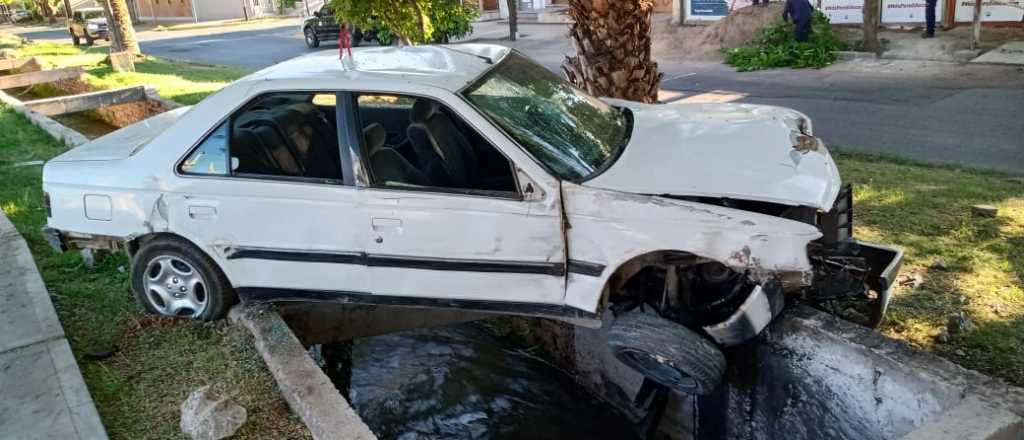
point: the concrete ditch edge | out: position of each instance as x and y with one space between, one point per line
304 386
65 135
45 395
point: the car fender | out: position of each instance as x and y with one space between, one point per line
609 228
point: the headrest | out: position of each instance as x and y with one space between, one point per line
375 136
422 110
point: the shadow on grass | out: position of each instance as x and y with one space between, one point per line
967 263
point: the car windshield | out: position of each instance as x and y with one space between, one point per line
573 134
92 14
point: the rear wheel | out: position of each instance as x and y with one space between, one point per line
74 39
172 277
667 353
312 41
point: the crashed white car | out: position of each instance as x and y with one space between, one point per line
471 177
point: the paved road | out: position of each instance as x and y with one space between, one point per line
926 111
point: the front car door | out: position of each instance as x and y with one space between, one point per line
460 247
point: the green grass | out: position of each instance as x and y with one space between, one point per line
185 83
927 211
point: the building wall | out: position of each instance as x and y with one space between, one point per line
180 9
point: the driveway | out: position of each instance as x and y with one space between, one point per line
940 112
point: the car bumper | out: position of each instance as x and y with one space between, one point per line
763 304
55 239
884 264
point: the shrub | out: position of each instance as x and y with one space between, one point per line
775 46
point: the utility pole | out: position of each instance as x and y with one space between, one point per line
976 41
513 19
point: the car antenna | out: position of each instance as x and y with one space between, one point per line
486 59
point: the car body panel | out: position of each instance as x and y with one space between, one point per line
554 244
740 151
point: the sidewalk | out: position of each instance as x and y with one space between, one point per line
42 394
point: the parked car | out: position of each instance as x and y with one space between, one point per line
323 26
474 178
18 15
89 24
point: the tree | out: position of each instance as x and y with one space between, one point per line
872 9
284 4
613 49
46 9
412 21
122 31
513 20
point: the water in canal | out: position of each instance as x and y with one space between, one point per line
465 382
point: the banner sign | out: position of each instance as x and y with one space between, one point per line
711 10
907 11
843 11
991 10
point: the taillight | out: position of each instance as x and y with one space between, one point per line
46 203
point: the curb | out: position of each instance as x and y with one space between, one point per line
65 135
304 386
44 394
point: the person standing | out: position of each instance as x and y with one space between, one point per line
929 18
799 12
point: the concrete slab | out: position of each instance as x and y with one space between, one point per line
43 393
1011 53
305 387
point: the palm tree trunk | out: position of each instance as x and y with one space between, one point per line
613 49
125 31
872 10
47 10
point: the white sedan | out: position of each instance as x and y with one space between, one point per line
471 177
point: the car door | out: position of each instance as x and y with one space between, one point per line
277 235
467 248
326 23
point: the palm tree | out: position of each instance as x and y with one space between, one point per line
121 27
613 49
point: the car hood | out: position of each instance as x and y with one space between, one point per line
97 21
125 142
738 151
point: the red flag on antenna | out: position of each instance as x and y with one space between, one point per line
344 42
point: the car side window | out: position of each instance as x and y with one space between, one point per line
210 158
412 142
291 135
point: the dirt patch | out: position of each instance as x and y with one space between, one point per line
706 41
121 115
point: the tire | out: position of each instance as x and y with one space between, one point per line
667 353
312 41
172 268
356 36
88 39
74 39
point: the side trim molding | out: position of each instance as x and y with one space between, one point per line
424 263
586 268
271 295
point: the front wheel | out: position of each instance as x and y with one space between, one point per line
312 41
667 353
172 277
88 39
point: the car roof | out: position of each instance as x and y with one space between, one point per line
91 9
447 67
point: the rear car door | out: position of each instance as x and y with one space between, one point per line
265 189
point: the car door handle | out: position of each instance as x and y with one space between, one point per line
386 224
202 212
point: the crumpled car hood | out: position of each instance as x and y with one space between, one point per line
738 151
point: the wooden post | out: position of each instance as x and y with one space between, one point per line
976 41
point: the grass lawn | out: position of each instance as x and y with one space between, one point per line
980 271
185 83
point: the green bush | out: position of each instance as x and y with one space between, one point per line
775 46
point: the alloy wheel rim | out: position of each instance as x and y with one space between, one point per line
174 287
